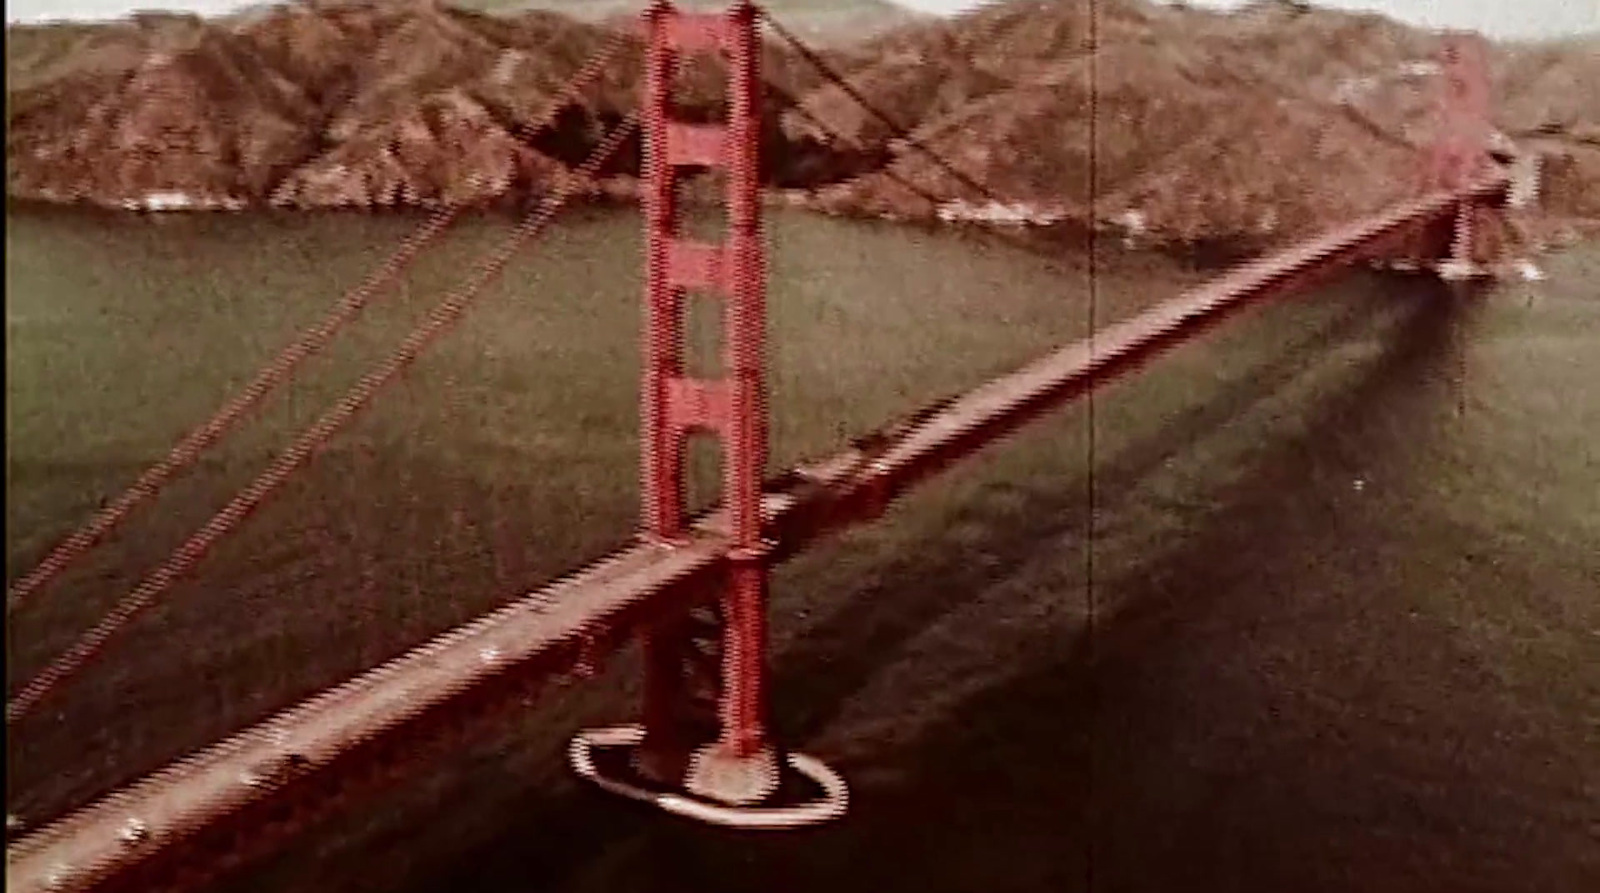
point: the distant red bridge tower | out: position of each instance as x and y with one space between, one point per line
1460 149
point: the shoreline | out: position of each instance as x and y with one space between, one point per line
1061 235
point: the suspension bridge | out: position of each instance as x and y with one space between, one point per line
692 589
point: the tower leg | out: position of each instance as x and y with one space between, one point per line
1460 264
663 755
740 766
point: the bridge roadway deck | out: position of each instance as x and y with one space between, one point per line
579 619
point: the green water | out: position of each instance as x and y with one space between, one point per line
1314 604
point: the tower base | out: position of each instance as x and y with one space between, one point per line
732 793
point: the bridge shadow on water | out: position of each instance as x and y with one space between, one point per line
1186 744
918 590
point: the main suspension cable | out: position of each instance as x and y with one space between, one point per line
831 74
314 438
834 137
279 370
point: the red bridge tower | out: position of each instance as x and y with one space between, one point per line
703 748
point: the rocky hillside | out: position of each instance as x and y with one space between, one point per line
1244 127
821 21
365 102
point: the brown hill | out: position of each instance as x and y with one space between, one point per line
1022 37
1551 88
372 103
1572 181
364 102
190 109
1247 126
906 88
446 149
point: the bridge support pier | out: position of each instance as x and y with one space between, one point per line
703 750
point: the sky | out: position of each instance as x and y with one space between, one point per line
1497 18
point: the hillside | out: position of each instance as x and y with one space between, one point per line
1244 127
822 21
358 103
